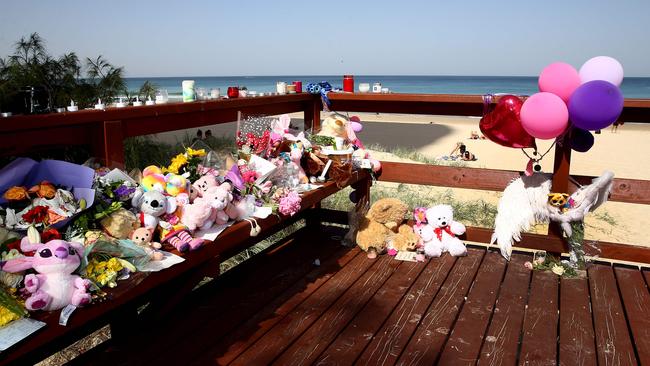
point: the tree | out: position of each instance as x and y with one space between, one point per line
53 82
147 90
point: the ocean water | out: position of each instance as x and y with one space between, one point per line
632 87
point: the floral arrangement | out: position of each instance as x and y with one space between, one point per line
288 201
186 163
543 262
106 272
254 135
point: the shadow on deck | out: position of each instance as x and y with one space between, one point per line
283 309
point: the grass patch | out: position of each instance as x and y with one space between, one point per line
606 217
475 212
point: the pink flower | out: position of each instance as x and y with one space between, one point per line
266 187
528 265
250 176
290 204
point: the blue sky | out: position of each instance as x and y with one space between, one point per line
401 37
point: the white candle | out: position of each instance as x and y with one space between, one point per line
149 101
137 102
281 87
99 104
120 103
72 107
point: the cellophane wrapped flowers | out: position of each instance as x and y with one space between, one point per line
288 201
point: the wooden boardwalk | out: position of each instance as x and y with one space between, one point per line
282 309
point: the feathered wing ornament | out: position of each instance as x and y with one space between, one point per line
525 202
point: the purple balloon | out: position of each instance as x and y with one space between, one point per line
595 105
356 126
581 140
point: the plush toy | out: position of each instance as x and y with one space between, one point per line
202 184
334 125
440 220
176 185
153 206
405 240
153 179
525 201
55 286
143 236
207 210
120 223
376 227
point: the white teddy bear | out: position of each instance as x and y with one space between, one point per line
439 234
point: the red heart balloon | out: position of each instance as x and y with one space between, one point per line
503 124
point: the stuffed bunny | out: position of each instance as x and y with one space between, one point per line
208 209
55 286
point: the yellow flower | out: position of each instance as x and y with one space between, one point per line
16 194
179 160
558 270
7 316
191 152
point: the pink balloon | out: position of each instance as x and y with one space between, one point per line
602 68
544 116
560 79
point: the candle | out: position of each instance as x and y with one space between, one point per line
376 88
291 89
364 87
281 87
72 107
99 104
137 102
298 85
233 92
149 101
188 91
215 93
5 114
120 103
348 83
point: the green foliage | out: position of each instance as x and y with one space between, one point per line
147 90
56 81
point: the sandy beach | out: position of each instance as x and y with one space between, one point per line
436 136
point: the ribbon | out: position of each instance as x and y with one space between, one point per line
439 231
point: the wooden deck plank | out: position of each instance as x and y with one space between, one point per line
315 340
353 339
636 300
225 350
577 340
613 342
434 329
464 343
502 338
539 340
386 345
278 338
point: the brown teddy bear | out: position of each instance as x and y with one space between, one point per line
379 225
405 240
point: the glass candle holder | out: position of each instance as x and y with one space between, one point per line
233 92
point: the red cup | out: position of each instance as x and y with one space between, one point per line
298 85
233 92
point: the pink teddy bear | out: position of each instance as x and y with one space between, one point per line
204 183
208 209
55 286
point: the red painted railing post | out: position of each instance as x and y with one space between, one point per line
561 171
113 149
312 114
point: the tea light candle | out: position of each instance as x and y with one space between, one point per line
376 88
5 114
99 104
364 87
149 101
72 107
137 102
120 103
384 90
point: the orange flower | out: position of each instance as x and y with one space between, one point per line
16 194
44 190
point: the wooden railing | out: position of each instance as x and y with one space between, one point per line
105 132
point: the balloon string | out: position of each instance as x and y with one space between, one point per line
535 153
